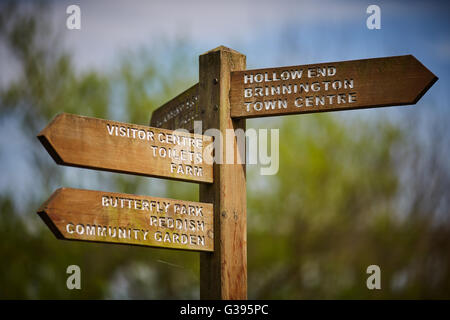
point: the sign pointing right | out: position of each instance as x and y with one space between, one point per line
357 84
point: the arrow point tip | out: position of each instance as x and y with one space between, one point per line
46 143
48 221
44 212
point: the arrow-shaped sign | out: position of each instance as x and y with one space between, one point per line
74 214
333 86
127 148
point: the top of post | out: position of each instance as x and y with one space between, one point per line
222 49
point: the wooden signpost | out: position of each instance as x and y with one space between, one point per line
225 96
127 148
96 216
333 86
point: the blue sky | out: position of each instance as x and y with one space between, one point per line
271 33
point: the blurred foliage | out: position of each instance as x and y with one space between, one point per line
333 210
337 205
47 84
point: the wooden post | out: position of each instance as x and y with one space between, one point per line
223 273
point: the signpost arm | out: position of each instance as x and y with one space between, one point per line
223 273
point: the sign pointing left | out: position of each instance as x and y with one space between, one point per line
97 216
127 148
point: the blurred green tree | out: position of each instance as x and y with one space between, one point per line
45 85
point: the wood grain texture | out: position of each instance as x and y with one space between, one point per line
178 113
334 86
106 217
127 148
223 274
